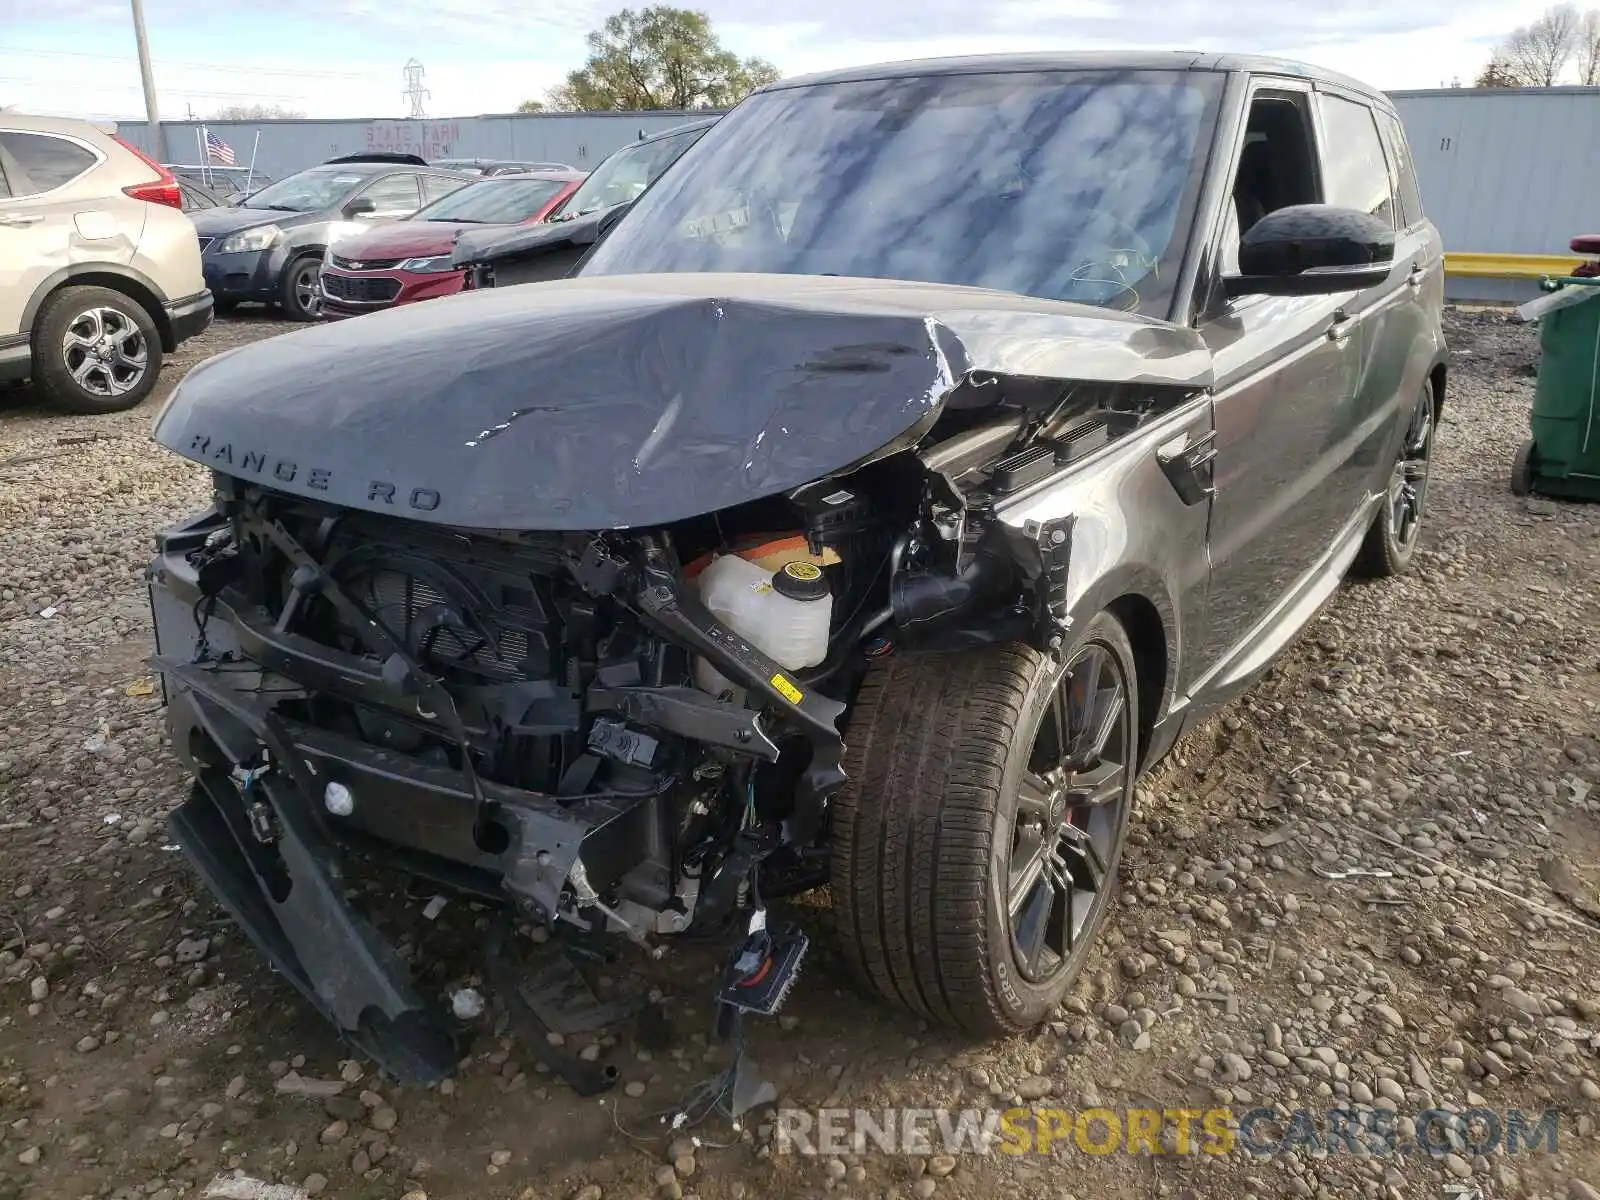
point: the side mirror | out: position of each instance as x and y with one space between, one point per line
1312 250
361 206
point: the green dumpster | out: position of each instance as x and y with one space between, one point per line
1562 458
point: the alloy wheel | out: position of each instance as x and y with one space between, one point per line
308 288
105 352
1408 485
1072 806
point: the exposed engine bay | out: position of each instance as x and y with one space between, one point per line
629 732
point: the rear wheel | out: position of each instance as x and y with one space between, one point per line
1392 538
301 291
976 844
95 351
1522 469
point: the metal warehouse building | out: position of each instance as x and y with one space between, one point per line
1506 174
581 139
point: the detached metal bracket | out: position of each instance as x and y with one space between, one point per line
1188 463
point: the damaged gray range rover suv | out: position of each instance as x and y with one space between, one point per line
924 452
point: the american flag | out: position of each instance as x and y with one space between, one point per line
218 149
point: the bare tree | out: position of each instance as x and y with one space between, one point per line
255 112
1535 55
1589 48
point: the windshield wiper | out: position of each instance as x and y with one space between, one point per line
277 207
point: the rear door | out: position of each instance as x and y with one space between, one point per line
52 215
1387 317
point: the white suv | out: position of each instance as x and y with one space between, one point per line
99 267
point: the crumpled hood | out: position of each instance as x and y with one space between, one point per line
623 401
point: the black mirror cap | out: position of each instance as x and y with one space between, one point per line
1313 249
360 205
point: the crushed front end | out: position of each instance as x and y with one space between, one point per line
587 655
513 717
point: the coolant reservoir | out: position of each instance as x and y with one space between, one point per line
784 613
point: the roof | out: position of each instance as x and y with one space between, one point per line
1081 60
558 176
72 126
676 129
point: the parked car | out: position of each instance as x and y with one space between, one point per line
196 198
409 259
497 166
229 184
499 256
913 462
99 272
269 248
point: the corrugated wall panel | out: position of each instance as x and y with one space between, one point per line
581 139
1507 172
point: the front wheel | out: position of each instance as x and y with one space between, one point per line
302 289
976 843
1392 538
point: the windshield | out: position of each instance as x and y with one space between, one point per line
312 190
1068 185
624 175
503 201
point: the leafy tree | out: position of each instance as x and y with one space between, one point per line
1496 75
255 112
531 106
658 57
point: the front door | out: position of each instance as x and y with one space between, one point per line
1285 365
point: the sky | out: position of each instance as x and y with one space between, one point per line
345 58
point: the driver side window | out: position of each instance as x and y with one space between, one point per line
1277 168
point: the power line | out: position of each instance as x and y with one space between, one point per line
167 62
133 87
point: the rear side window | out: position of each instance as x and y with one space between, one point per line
1405 173
46 162
1355 172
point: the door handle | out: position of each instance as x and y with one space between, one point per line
1339 330
18 220
1415 277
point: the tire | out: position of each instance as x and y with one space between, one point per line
1522 469
1392 538
926 832
94 351
297 303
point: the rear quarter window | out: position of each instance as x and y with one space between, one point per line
1405 173
1354 169
45 161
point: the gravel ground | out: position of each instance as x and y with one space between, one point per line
1440 729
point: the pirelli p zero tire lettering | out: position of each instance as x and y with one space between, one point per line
976 844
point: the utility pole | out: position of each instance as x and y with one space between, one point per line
158 142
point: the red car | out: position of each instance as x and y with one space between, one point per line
409 259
